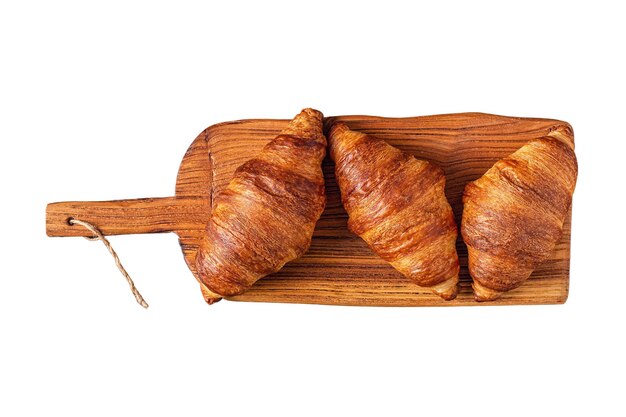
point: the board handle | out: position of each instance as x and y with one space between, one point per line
121 217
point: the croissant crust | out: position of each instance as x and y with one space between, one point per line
513 215
396 203
265 217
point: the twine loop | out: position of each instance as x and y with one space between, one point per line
99 236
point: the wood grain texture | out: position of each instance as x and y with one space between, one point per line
339 268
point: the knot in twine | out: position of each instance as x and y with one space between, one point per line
99 236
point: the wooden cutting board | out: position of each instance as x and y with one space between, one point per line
339 268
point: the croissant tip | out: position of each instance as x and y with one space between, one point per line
449 296
212 300
209 296
338 128
482 293
563 133
448 289
310 112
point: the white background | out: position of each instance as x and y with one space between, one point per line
101 101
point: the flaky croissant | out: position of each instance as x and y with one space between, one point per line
513 215
265 217
396 204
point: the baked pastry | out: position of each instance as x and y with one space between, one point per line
265 217
396 203
513 215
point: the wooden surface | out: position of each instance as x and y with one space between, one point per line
339 268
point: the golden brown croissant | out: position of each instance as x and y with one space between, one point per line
265 217
396 203
513 215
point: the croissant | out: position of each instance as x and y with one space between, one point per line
513 215
265 217
396 204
